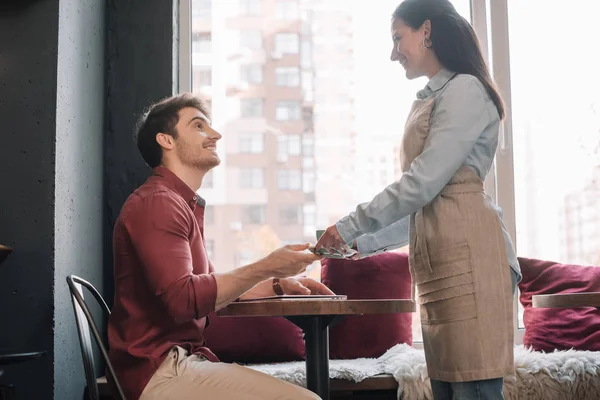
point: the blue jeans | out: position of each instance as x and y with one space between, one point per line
490 389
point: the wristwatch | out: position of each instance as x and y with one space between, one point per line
277 287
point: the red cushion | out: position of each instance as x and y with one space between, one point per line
383 276
547 329
254 339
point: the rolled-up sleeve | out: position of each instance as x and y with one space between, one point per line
159 230
460 116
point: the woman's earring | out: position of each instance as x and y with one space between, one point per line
425 40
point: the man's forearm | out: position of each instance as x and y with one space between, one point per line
233 284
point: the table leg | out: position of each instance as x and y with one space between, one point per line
316 341
316 337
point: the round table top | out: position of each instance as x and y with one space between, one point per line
292 307
567 300
4 252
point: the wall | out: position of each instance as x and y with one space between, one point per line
52 113
27 164
78 188
67 165
140 72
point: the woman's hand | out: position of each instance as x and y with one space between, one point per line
331 241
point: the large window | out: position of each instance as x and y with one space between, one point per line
348 104
556 138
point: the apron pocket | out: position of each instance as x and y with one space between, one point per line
447 293
449 310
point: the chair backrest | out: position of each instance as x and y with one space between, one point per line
85 321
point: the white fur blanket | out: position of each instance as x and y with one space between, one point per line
562 375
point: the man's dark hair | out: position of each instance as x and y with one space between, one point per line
162 117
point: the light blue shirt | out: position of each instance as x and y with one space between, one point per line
464 129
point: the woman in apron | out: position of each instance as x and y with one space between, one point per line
462 259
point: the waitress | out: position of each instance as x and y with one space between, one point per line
462 259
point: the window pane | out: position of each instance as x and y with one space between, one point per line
288 111
290 215
252 143
556 132
287 43
254 215
287 76
250 7
287 9
251 108
251 39
252 73
252 178
335 103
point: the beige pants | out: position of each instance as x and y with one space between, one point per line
183 377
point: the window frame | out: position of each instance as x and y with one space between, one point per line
490 21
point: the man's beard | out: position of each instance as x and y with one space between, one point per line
198 162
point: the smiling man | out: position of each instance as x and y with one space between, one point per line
165 286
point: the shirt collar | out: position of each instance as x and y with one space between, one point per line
438 81
179 186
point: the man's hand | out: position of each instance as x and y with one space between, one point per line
303 286
289 260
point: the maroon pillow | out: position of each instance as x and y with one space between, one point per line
383 276
254 339
547 329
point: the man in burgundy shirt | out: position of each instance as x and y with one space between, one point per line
165 286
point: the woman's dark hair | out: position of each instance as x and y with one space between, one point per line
453 40
162 117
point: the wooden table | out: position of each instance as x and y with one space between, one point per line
567 300
315 317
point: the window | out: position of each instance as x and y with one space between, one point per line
308 146
251 108
288 145
250 7
290 215
208 182
555 139
287 76
202 43
209 215
289 179
252 178
254 215
202 77
252 73
253 143
251 39
287 43
287 9
210 248
202 9
326 146
288 111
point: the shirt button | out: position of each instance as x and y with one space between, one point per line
195 198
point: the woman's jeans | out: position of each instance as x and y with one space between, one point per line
489 389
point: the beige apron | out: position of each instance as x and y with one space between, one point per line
459 264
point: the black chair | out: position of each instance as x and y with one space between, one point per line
85 321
